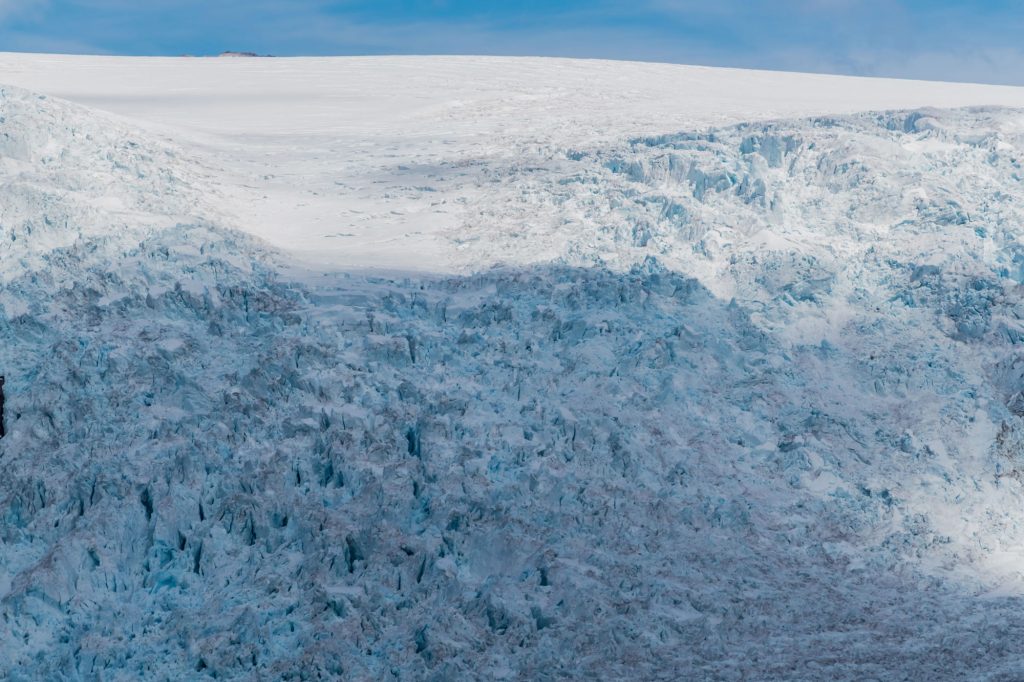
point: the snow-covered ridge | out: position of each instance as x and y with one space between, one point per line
742 403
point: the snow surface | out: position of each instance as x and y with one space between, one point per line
627 371
383 162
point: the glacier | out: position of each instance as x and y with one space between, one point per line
736 401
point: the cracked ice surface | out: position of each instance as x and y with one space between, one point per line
757 413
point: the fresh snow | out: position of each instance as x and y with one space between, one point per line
445 368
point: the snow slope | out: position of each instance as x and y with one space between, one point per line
741 399
381 162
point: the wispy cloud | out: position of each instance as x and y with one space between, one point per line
10 9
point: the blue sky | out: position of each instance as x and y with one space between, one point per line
938 39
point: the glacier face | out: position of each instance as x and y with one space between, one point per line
757 415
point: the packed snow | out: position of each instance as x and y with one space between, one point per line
439 368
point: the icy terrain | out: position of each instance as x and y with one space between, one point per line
381 162
737 401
